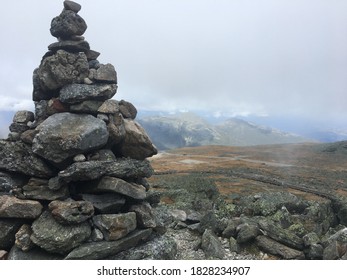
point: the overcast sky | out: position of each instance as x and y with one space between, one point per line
240 57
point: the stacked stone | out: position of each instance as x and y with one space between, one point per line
72 175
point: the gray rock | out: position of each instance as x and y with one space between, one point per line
211 245
18 127
127 109
12 207
121 168
23 240
247 232
88 106
272 247
231 228
96 235
65 135
179 215
102 155
79 158
9 181
73 6
106 74
116 129
23 116
68 24
315 252
62 68
18 157
334 251
39 189
115 226
28 136
109 203
104 249
234 246
70 46
310 238
58 238
92 55
33 254
8 227
144 215
75 93
136 143
115 185
281 235
109 107
3 255
71 212
160 248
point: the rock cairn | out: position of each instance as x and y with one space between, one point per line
73 174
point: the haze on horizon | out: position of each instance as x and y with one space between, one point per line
263 58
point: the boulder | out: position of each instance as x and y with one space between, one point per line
136 143
58 238
62 68
75 93
65 135
68 24
115 226
18 157
12 207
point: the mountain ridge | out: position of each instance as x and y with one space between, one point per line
188 130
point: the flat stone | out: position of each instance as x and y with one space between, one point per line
104 249
58 238
109 203
115 226
272 247
136 143
18 127
88 107
120 168
65 135
116 185
71 212
38 188
68 24
12 207
35 253
106 73
73 6
70 46
75 93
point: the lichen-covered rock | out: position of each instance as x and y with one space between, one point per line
115 226
12 207
62 68
104 249
115 185
18 157
65 135
75 93
58 238
71 212
121 168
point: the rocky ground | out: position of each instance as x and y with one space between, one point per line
264 202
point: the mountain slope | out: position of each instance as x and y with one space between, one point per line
188 129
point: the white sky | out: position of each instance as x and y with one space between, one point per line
240 57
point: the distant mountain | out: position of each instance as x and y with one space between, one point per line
188 129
